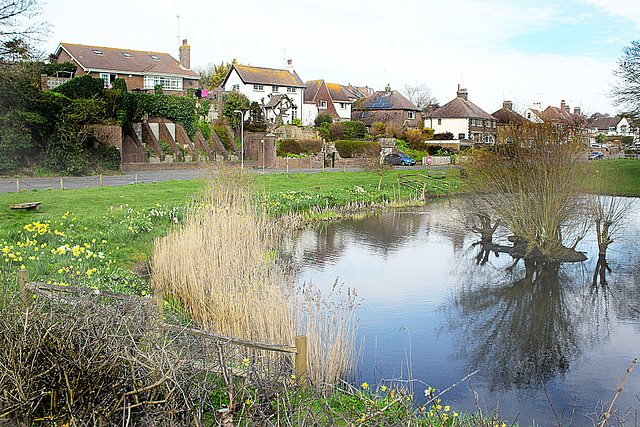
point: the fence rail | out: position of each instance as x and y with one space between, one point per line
419 182
46 290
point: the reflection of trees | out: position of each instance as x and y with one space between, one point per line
520 331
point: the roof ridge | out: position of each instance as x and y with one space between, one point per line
116 48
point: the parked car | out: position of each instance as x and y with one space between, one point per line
399 159
596 155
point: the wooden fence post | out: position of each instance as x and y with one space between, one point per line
301 359
23 282
158 297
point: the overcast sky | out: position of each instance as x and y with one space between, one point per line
498 49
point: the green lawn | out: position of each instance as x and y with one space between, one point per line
621 176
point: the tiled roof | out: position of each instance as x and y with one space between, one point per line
311 90
604 123
125 61
340 93
268 76
461 108
507 115
387 100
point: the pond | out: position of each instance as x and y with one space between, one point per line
435 307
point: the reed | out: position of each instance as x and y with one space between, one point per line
221 266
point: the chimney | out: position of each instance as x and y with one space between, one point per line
185 55
563 106
290 65
462 93
429 109
577 111
387 87
507 105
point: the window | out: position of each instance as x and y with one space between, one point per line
461 136
439 121
169 83
411 115
473 122
343 105
364 114
294 113
291 89
155 57
127 55
275 89
108 79
322 104
96 51
529 115
258 87
235 88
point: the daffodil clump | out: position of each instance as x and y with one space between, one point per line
68 252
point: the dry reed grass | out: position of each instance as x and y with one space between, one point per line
220 266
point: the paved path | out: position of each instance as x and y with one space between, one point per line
11 185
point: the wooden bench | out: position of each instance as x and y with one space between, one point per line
27 205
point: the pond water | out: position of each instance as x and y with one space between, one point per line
435 308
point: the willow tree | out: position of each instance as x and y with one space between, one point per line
532 185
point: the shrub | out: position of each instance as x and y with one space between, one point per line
288 146
323 118
296 122
178 109
415 138
443 136
378 129
224 136
354 130
310 146
53 68
351 149
336 131
82 87
205 129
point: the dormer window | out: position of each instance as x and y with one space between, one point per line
155 57
96 51
127 55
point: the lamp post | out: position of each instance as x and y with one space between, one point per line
241 137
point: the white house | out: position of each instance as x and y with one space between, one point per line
463 119
274 88
616 126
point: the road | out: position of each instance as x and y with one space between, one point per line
11 185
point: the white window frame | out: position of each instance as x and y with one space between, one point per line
106 78
258 88
343 105
235 88
291 89
167 82
275 89
411 115
322 104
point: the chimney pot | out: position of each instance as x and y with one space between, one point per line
507 105
462 93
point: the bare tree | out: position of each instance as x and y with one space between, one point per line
626 93
212 75
420 95
18 28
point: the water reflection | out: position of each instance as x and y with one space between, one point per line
518 331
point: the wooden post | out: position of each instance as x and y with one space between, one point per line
61 187
17 185
100 180
287 166
301 359
169 175
136 178
158 296
23 282
198 174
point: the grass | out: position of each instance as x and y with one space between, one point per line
619 177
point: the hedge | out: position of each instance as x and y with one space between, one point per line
288 146
348 149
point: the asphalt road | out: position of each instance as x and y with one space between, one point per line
11 185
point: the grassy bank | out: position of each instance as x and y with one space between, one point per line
618 177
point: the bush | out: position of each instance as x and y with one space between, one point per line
205 129
178 109
288 146
354 130
323 118
378 129
351 149
224 136
336 131
443 136
82 87
53 68
310 146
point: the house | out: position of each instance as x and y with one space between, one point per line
280 91
388 106
141 70
506 120
563 115
463 119
615 126
534 114
322 97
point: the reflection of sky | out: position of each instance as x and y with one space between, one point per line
405 319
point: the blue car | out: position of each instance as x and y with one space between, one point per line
399 159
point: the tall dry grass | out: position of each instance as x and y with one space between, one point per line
221 267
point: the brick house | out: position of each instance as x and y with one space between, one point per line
464 119
506 118
322 97
141 70
388 106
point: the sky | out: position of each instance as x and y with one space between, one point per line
526 52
